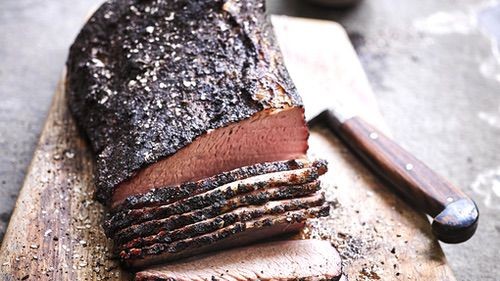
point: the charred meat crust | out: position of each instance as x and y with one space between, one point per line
166 195
218 195
239 215
146 78
176 221
165 249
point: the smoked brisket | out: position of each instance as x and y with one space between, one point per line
165 195
238 234
199 138
238 216
170 91
176 221
213 195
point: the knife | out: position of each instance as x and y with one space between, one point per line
455 215
337 95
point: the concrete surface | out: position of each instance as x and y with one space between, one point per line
434 66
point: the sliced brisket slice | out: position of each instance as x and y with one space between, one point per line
176 221
307 260
239 215
170 91
169 194
238 234
215 196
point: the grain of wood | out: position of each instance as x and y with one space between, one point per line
55 231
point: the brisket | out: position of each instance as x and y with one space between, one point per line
239 215
237 234
215 196
238 212
176 221
198 132
165 195
307 260
170 91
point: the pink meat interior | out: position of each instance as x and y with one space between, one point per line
269 135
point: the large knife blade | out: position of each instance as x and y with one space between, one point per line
338 97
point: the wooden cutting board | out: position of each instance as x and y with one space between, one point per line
55 233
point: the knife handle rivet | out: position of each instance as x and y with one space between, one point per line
449 199
373 136
409 167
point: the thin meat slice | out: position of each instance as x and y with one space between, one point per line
307 260
176 221
239 215
238 234
214 196
169 194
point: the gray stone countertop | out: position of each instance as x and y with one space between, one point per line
434 66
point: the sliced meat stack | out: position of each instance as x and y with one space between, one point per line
198 132
288 260
230 209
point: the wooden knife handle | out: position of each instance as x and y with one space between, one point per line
455 215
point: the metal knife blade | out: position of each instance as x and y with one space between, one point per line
337 95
